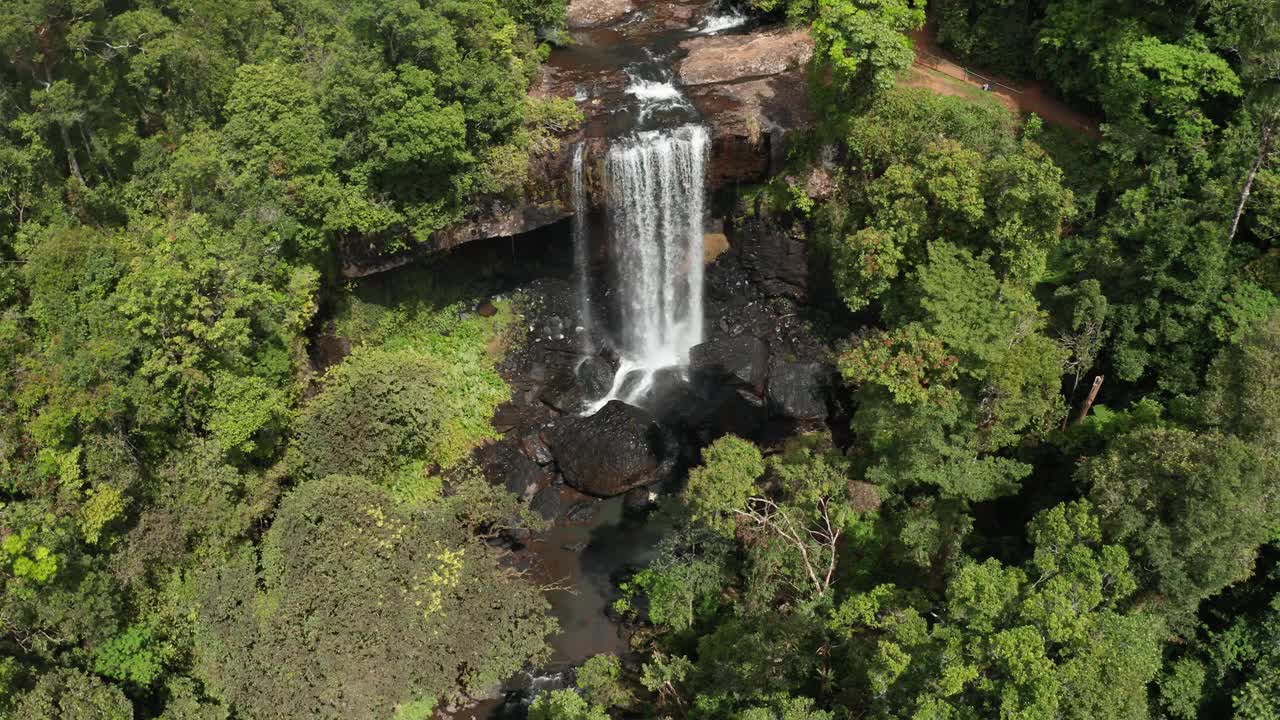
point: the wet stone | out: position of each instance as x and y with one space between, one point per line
595 375
640 499
742 360
535 449
547 503
799 391
612 451
581 512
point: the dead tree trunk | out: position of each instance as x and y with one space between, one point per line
1263 151
1088 402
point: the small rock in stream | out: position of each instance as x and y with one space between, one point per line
640 499
581 512
536 449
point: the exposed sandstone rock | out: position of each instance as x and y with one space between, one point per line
734 58
749 123
713 246
594 13
753 91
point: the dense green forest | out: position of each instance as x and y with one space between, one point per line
197 523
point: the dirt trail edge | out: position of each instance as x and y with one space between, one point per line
939 71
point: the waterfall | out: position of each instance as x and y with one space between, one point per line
656 192
581 251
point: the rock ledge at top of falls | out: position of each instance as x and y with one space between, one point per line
735 58
753 90
595 13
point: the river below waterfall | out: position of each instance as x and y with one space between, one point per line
637 286
589 558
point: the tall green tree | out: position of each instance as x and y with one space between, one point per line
364 608
1193 509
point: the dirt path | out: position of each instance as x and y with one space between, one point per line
939 71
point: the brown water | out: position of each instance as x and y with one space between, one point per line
584 558
614 544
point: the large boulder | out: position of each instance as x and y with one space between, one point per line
573 388
547 503
736 411
595 375
563 393
799 391
742 360
608 453
733 58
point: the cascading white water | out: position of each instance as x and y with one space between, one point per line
656 192
729 19
581 251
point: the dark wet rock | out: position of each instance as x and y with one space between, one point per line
552 328
507 418
799 391
486 309
505 464
639 499
538 372
610 355
362 257
734 411
581 512
742 360
563 392
677 403
774 255
596 376
547 503
535 448
612 451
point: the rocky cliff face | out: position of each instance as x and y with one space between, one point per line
752 90
749 89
